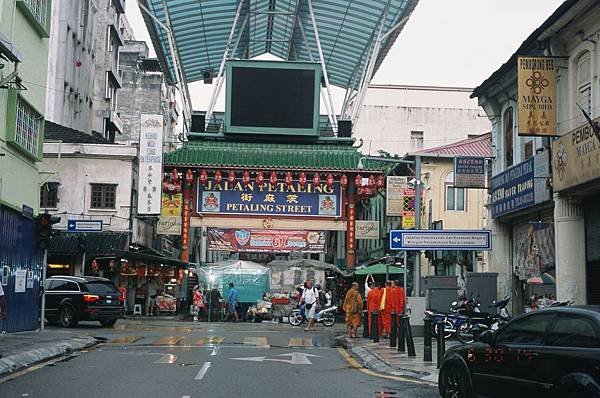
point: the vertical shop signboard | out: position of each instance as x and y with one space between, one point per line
150 164
536 81
395 195
469 172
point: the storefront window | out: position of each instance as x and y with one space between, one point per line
584 87
508 137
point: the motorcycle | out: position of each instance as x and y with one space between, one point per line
326 316
479 322
455 318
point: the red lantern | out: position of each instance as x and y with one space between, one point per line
358 180
344 181
175 175
218 177
260 178
273 178
246 177
317 180
203 177
329 180
189 177
231 177
380 182
371 181
302 179
288 178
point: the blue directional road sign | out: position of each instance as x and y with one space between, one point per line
441 240
84 225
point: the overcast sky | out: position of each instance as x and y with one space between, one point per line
445 42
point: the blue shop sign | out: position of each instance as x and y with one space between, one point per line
513 189
270 199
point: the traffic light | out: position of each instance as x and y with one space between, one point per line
44 229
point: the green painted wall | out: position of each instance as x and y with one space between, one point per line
20 174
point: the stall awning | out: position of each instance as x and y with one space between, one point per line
94 244
269 156
378 269
150 258
346 29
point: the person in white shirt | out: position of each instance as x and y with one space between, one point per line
310 297
3 304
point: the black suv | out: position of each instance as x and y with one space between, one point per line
70 299
551 353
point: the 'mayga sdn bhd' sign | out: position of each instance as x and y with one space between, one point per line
521 186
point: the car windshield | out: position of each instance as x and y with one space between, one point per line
101 288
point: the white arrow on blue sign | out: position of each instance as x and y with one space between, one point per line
84 225
441 240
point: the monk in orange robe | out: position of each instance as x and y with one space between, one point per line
400 297
385 310
373 301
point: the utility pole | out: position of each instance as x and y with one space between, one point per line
43 288
418 189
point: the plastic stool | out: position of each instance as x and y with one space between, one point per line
137 309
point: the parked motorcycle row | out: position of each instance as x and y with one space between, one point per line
466 322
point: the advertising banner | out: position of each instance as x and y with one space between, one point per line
576 158
469 172
395 195
521 186
271 199
266 240
367 229
537 96
150 164
408 212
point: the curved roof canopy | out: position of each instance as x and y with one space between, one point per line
347 30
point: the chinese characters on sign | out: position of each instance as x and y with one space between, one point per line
270 199
351 242
537 96
469 172
150 165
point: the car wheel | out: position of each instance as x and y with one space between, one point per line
108 323
455 383
67 317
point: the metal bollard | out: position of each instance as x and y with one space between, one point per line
374 327
427 349
441 343
401 337
410 344
394 329
365 324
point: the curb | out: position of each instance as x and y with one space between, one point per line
23 360
377 364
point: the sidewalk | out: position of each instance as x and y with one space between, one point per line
380 357
22 350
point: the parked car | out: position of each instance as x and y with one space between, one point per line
70 299
551 353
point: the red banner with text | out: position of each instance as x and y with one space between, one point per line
265 240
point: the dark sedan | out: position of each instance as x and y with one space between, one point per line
70 299
554 352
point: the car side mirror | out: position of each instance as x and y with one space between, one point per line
487 337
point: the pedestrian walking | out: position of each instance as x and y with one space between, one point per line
231 302
3 305
385 310
373 300
214 303
353 306
310 298
198 299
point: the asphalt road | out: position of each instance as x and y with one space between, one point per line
176 359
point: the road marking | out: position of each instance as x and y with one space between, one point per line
126 340
215 351
202 371
296 358
164 358
167 340
210 340
256 341
300 342
354 364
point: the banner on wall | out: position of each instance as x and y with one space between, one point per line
168 225
150 165
270 199
536 96
367 229
469 172
266 240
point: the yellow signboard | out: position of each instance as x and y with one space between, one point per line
575 158
537 95
171 204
